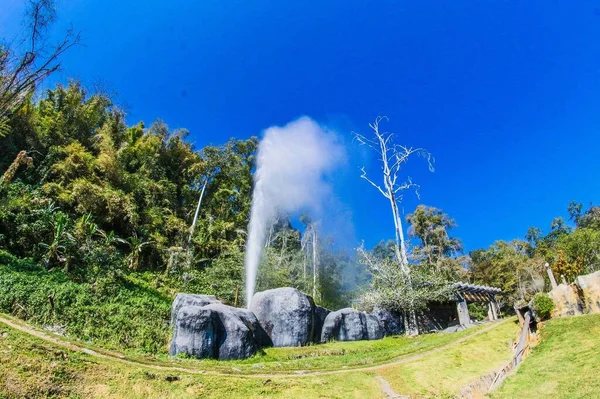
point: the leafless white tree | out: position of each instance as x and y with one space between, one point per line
309 247
393 157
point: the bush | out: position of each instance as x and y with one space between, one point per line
478 310
543 305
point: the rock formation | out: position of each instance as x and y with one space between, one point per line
393 323
589 289
566 301
194 333
217 331
182 300
319 319
351 325
286 315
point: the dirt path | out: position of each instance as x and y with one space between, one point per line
387 389
119 358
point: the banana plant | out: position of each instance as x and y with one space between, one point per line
137 245
55 251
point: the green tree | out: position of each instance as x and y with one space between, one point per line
435 249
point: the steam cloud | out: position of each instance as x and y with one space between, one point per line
291 164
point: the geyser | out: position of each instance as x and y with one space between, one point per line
290 168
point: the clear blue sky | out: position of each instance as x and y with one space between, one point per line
505 94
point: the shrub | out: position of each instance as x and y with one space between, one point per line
543 305
478 310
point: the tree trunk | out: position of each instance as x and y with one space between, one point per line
410 322
197 212
314 245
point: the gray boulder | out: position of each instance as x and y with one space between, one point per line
319 319
375 329
194 333
217 331
393 322
234 334
351 325
182 300
286 315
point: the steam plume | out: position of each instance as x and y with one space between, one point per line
291 164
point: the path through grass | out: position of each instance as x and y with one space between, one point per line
31 367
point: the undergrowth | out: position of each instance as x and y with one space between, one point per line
118 311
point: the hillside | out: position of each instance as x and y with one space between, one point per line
564 365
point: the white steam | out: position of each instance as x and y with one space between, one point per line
290 168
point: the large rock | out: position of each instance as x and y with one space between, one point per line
217 331
351 325
393 322
234 332
194 333
566 301
319 319
182 300
286 315
589 289
375 329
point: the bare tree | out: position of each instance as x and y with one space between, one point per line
393 157
310 250
21 71
197 212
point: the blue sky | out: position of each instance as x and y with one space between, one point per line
505 94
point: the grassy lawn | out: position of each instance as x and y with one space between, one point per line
30 367
330 356
564 365
443 373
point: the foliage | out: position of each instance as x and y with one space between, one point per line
134 184
478 310
543 305
113 311
289 261
25 65
435 250
507 265
393 290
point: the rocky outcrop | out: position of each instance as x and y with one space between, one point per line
351 325
589 290
286 315
566 301
217 331
182 300
319 319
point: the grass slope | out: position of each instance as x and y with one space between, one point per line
564 365
31 367
119 312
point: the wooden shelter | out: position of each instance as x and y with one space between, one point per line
467 293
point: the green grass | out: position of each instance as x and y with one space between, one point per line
329 356
30 367
565 364
443 373
119 312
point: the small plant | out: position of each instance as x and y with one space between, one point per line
543 305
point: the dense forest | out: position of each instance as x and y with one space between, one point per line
101 223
